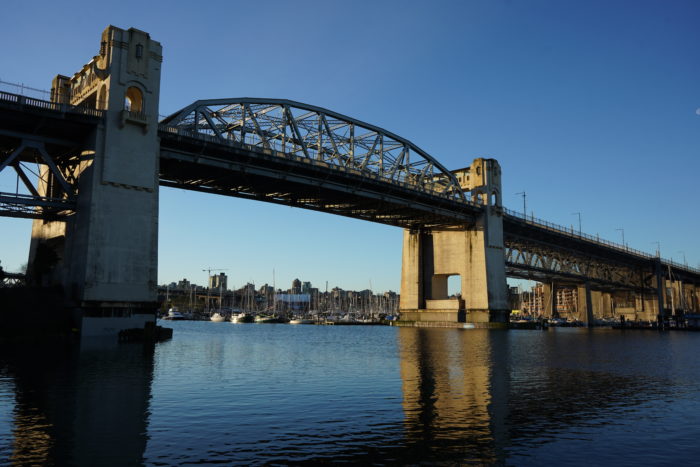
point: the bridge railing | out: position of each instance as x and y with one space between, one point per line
48 105
288 156
595 239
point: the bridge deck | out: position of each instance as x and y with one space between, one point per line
234 169
203 163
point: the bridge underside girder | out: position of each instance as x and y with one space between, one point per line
293 181
545 262
41 142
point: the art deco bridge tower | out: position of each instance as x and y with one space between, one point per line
108 249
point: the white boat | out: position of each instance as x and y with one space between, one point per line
301 321
241 317
174 314
217 318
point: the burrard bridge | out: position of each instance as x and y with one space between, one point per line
102 153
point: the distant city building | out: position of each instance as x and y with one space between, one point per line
184 284
295 302
535 301
218 282
296 287
306 287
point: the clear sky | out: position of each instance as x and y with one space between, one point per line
591 107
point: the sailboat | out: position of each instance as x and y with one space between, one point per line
217 317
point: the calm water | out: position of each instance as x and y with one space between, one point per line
221 393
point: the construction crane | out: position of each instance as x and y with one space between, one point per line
208 271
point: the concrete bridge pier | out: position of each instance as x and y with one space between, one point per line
106 254
585 304
475 253
550 299
601 304
690 292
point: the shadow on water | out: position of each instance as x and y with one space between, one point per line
78 404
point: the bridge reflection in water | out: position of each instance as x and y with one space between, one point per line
304 395
78 406
455 390
489 396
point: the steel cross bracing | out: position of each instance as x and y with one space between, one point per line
530 259
41 142
59 183
318 135
539 250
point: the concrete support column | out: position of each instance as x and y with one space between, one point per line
597 303
412 282
585 307
660 284
484 287
690 292
550 299
651 308
638 304
607 308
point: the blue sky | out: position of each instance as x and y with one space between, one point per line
589 107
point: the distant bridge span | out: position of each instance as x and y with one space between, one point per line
102 154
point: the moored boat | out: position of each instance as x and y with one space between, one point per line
174 314
270 319
217 317
242 318
301 321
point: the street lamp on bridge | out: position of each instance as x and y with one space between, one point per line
579 221
658 248
623 236
524 205
685 262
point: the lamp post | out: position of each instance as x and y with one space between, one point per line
524 205
658 248
685 262
579 221
623 236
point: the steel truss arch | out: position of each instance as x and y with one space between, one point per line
319 135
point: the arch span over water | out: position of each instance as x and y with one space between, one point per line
318 134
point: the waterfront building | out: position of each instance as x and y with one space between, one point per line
218 282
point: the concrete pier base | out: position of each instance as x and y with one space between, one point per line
475 253
91 326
